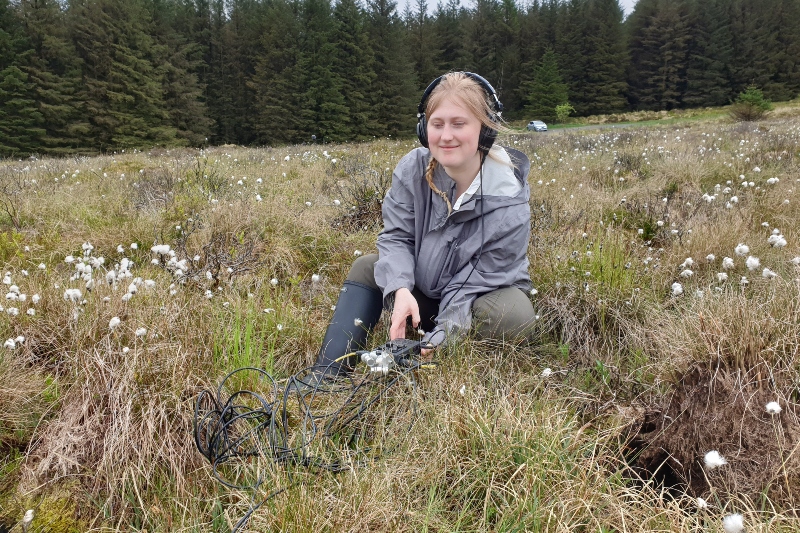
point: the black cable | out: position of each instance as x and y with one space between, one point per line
286 426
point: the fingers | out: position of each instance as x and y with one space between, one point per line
405 305
415 314
398 329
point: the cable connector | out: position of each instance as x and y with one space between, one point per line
397 352
378 360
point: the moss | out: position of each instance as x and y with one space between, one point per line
54 513
11 245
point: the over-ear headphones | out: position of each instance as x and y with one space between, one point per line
487 135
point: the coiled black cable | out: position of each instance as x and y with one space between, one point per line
319 424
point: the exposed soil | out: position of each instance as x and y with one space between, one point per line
714 409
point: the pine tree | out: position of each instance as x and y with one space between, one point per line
709 55
238 26
449 20
394 92
355 64
604 85
570 37
193 22
754 41
508 32
547 90
482 36
123 88
423 44
784 57
659 53
532 46
54 72
277 76
323 108
20 122
12 39
179 60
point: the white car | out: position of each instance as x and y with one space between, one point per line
537 125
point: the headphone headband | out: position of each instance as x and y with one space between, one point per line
480 80
487 135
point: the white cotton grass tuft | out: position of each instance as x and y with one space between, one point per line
73 295
547 372
141 332
742 249
702 504
733 523
677 289
711 258
687 273
722 277
462 390
773 408
27 519
777 241
114 322
752 263
315 278
768 274
714 459
160 249
727 263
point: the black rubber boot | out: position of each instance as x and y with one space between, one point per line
357 311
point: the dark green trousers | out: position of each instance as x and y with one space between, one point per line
505 313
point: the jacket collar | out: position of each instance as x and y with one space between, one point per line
503 185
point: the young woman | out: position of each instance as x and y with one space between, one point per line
452 255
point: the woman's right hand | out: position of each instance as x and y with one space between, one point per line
405 305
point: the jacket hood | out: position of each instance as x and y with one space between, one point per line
504 182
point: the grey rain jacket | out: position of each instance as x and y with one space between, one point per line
421 246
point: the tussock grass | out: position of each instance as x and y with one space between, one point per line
601 425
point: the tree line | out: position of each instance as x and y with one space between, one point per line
81 76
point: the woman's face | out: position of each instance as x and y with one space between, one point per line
453 137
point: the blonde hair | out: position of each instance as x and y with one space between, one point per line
472 96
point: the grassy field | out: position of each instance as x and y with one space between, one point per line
666 262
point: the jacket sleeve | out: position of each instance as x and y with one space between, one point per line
395 266
499 264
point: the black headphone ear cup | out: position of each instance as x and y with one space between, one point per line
422 130
487 136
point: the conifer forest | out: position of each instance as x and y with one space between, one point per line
89 76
